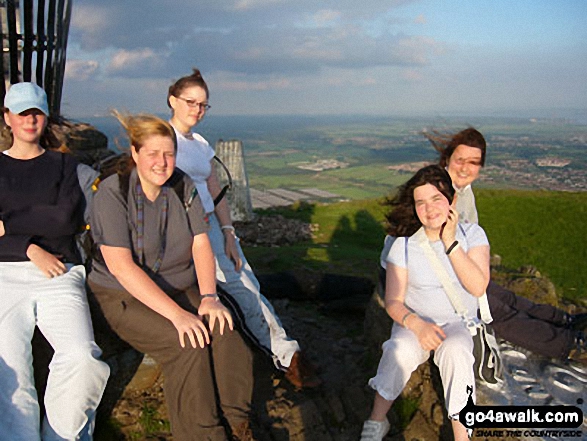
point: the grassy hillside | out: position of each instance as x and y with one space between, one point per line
540 228
544 229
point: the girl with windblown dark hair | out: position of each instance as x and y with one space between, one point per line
541 328
430 240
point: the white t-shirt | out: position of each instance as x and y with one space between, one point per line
466 205
425 294
193 157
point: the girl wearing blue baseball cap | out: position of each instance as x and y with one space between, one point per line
42 283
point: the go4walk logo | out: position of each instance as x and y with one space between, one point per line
552 421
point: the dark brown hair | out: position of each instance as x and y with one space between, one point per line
195 79
446 144
53 137
402 220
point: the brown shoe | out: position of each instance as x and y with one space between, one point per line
301 373
242 432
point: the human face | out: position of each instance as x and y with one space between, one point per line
464 165
186 116
27 126
155 162
431 206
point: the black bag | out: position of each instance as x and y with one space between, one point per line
488 365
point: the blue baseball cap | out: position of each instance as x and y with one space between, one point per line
25 96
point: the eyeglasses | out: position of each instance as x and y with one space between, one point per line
194 103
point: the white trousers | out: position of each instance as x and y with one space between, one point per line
259 316
77 378
402 354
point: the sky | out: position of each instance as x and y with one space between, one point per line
330 57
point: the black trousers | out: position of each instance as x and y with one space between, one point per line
538 327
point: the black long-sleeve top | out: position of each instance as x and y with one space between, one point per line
40 203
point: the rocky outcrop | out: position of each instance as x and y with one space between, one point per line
274 230
87 143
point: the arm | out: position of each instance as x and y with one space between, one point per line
13 248
206 272
429 335
471 267
122 266
222 212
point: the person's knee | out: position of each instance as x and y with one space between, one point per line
82 358
456 348
402 353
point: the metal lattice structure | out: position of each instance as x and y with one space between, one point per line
34 41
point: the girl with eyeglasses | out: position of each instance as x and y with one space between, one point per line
188 100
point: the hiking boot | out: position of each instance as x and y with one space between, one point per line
577 322
374 430
301 373
242 432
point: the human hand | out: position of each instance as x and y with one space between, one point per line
2 230
231 250
49 264
187 323
448 230
430 335
216 311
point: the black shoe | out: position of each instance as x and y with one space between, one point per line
577 322
579 351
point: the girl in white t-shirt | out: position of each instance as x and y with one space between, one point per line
188 100
416 300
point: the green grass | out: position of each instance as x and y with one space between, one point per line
544 229
540 228
348 241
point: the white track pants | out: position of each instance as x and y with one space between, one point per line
77 378
402 354
259 316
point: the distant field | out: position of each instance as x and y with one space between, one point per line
544 229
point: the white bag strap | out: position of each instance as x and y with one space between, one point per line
448 284
484 309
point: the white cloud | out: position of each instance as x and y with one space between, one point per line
134 61
80 70
272 49
247 85
243 5
420 19
416 50
412 75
